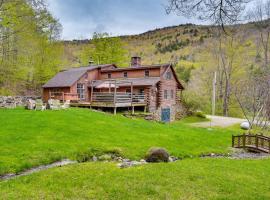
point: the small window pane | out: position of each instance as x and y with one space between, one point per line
168 75
109 75
165 94
125 74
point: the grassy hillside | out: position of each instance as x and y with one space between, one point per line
29 138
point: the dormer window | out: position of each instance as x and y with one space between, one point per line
110 75
125 75
169 75
146 73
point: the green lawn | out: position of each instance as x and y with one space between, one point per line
30 138
187 179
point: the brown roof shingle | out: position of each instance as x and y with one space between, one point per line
68 77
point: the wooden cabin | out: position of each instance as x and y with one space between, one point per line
154 87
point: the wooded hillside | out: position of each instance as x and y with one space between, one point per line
193 49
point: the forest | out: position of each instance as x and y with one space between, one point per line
32 53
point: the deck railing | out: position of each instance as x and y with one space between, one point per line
250 141
64 96
119 97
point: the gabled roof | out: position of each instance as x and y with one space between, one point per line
180 86
68 77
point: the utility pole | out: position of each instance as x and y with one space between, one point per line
214 94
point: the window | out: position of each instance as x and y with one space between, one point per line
125 75
165 94
169 75
128 90
141 91
109 75
172 94
80 90
146 73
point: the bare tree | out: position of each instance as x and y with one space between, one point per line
253 96
220 12
261 16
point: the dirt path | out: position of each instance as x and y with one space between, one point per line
219 121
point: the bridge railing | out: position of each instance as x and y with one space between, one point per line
254 141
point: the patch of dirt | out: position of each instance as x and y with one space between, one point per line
219 121
238 154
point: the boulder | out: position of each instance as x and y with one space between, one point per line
245 125
157 155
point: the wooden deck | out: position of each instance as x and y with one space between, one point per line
256 142
114 100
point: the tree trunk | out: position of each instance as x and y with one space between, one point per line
226 98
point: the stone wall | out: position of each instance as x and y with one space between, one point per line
14 101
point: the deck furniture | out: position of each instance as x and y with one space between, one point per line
39 105
66 104
30 105
54 104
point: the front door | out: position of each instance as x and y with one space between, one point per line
165 114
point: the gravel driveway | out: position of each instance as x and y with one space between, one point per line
219 121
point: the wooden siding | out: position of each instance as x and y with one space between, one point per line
131 74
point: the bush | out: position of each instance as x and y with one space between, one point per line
157 155
200 114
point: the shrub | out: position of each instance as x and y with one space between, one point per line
200 114
157 155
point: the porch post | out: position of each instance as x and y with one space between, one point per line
131 89
92 89
114 98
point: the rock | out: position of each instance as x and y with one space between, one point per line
143 161
170 159
157 155
105 157
94 158
174 158
245 125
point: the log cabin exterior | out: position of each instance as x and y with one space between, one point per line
154 87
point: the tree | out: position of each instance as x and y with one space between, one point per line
29 54
253 96
220 12
261 17
104 49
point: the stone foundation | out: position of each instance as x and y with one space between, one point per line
177 112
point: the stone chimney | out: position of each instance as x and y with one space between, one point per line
135 61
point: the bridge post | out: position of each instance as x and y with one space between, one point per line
268 146
256 141
244 140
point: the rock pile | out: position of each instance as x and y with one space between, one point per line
14 101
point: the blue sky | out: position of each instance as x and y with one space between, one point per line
81 18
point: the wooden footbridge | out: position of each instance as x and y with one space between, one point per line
259 143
